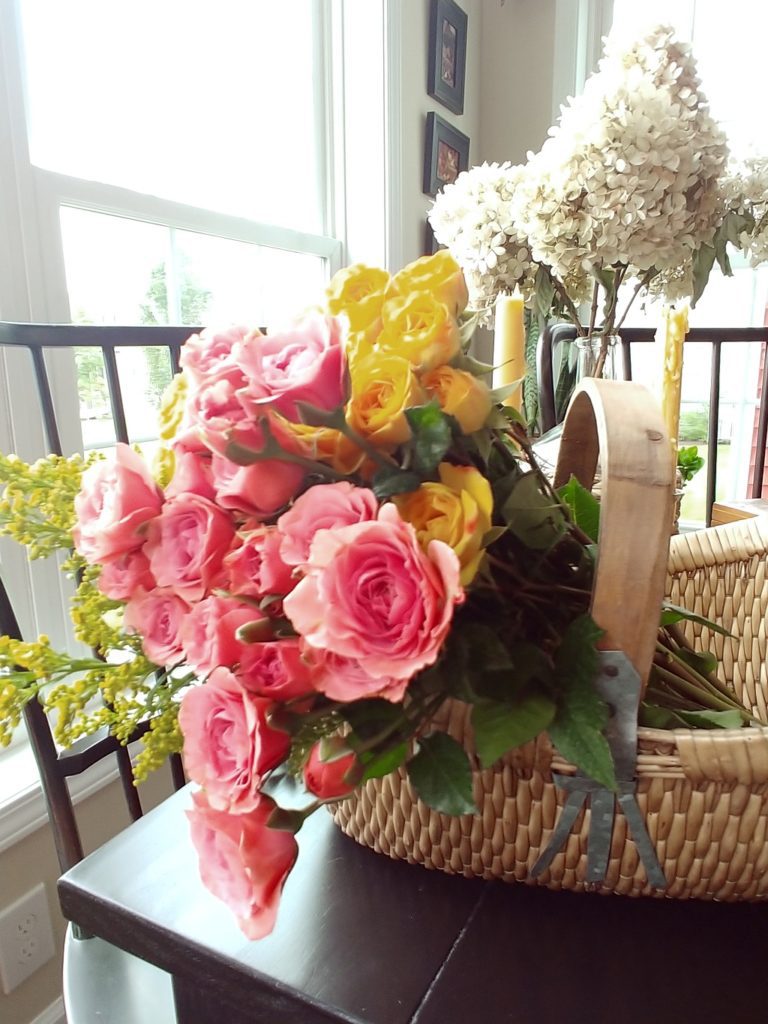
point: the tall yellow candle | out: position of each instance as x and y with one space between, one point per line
509 345
671 335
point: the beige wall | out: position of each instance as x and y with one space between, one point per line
518 42
33 860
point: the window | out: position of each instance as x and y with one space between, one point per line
179 163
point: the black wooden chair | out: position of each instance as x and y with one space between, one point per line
101 982
555 350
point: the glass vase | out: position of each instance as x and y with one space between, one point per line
588 356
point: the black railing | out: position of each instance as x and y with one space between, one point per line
38 337
715 337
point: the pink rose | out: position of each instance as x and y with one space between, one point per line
372 595
228 746
302 364
243 862
258 490
186 545
256 567
322 507
125 575
206 354
191 474
215 410
208 635
275 669
345 679
157 617
118 496
327 779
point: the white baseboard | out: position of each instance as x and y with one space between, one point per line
53 1014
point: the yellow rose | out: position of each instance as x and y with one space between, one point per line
460 394
456 511
358 291
419 328
383 387
439 274
172 407
330 446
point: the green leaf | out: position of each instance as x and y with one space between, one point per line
484 441
671 613
532 516
544 292
387 483
314 417
465 362
654 717
701 661
492 535
467 327
533 325
689 462
377 765
441 775
500 394
584 507
369 717
566 382
581 714
703 261
501 726
431 439
285 820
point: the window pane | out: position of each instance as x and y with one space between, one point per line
214 105
126 272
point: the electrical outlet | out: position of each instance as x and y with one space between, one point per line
26 938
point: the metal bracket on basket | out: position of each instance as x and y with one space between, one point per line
619 685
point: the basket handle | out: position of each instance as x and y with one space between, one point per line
621 422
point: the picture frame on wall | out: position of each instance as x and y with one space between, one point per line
447 58
446 154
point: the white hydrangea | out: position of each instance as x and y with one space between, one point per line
630 175
745 192
473 218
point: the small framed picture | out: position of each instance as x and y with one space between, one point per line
447 54
446 154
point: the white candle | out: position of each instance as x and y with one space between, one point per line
509 345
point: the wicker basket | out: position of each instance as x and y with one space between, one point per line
703 794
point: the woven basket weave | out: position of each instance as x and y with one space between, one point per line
703 794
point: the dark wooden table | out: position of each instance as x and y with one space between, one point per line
366 940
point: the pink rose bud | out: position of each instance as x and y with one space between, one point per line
328 779
243 861
117 498
322 507
228 745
